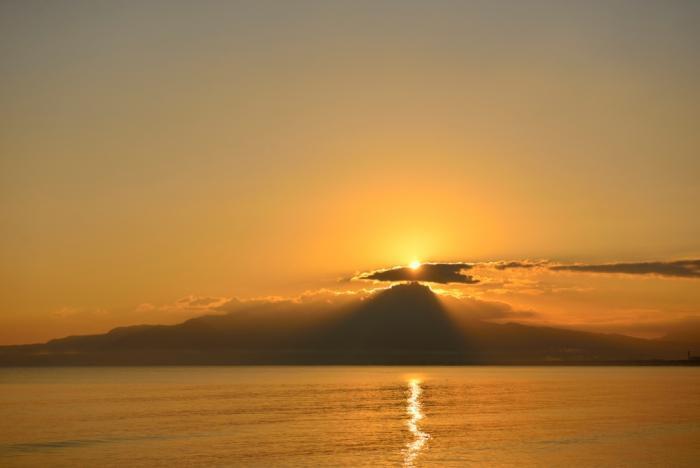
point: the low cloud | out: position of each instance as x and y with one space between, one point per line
675 269
649 324
187 304
473 308
429 272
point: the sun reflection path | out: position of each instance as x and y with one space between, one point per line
415 414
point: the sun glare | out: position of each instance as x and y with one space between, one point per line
415 264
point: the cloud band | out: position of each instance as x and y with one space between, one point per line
429 272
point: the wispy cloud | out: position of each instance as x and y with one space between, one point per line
525 264
191 303
677 269
488 273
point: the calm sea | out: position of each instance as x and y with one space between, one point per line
350 416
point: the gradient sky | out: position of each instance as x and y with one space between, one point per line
155 154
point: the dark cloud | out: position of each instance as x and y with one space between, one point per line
429 272
677 269
453 272
517 264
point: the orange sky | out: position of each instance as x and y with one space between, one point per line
169 150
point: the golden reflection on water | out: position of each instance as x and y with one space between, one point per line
415 414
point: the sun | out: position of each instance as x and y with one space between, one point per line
415 264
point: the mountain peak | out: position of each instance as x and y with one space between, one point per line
413 290
411 286
407 316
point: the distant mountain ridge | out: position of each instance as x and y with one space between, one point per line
405 324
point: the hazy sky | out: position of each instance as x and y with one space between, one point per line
154 151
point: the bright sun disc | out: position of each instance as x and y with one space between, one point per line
415 264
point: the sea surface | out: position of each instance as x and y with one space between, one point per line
350 416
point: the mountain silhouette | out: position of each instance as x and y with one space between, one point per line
406 317
405 324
